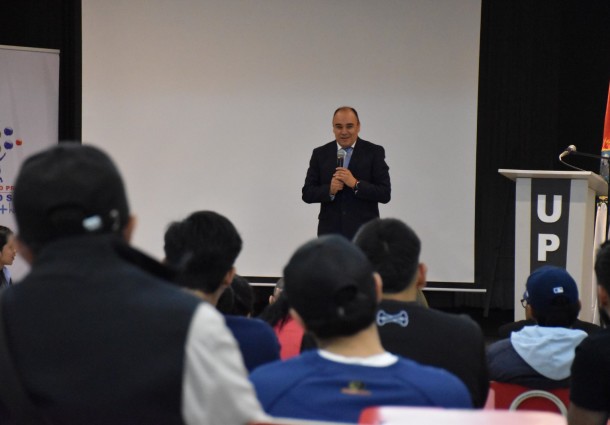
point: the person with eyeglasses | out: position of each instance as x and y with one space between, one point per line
505 330
540 355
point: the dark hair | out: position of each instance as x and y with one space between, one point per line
243 297
5 234
393 248
561 313
347 108
602 266
277 312
203 248
226 301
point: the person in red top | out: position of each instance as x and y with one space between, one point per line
289 333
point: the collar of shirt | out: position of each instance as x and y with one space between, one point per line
352 146
378 360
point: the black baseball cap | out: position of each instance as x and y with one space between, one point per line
69 189
330 278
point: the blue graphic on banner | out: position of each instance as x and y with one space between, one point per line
7 144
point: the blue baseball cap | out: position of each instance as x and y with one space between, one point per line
546 285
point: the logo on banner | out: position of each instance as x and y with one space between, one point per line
549 222
8 142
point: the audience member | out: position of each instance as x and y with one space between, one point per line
97 335
277 290
243 297
590 387
7 255
237 298
203 248
540 356
407 328
333 292
226 301
288 331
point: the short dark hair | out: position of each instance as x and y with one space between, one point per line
5 234
243 296
203 248
347 108
278 312
393 248
561 313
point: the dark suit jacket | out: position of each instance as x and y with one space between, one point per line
349 210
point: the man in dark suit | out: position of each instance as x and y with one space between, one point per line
349 194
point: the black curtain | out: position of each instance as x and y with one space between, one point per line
51 24
543 85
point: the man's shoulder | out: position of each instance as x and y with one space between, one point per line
501 347
273 379
332 145
252 327
421 371
429 317
598 342
365 144
445 388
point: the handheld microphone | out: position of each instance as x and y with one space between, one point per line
567 151
341 157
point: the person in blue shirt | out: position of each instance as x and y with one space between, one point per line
334 292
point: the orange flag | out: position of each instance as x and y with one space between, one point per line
606 141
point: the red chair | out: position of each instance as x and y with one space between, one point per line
397 415
517 397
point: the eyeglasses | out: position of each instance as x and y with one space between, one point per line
523 302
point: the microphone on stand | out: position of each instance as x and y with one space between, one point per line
571 150
341 157
567 151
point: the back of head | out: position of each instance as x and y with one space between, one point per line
277 312
68 190
243 296
330 284
393 248
203 248
553 296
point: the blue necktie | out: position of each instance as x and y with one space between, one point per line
348 156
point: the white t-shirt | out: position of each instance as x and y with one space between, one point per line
215 387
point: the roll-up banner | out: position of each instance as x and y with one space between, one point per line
29 103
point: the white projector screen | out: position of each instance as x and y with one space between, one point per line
218 104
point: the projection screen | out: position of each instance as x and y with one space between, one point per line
218 104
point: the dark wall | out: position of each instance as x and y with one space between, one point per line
543 85
51 24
